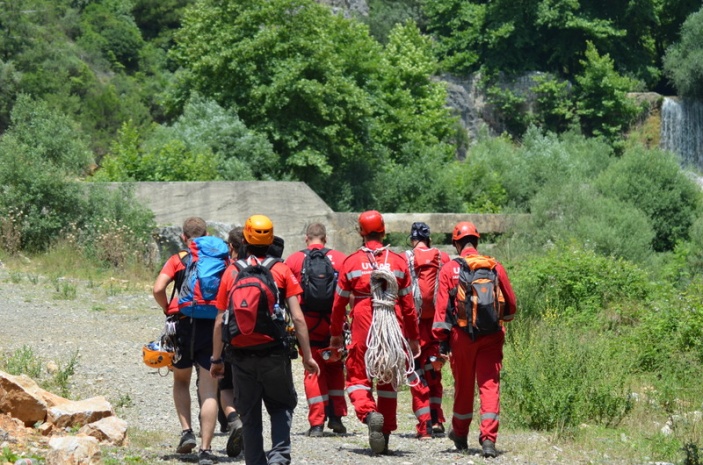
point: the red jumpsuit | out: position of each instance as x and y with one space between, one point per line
473 362
324 392
427 394
354 281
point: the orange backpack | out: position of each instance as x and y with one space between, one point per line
479 303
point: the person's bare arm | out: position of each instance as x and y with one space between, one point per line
301 332
159 291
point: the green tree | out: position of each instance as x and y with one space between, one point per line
311 81
602 104
683 61
109 28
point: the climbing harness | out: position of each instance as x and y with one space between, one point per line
389 356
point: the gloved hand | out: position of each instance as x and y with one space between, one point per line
444 348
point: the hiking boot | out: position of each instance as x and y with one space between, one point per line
425 432
489 448
438 430
206 457
336 425
222 420
315 431
386 438
377 440
234 442
459 443
187 442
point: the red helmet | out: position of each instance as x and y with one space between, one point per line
463 229
371 222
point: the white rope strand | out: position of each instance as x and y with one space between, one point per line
388 357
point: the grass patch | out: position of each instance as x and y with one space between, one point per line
24 361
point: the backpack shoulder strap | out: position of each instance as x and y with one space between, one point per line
324 251
269 262
180 275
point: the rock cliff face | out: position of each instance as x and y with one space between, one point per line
348 8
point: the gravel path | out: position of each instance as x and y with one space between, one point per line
107 324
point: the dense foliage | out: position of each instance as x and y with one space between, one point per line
42 201
335 104
607 264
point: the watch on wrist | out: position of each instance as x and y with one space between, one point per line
215 361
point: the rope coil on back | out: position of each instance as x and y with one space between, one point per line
389 357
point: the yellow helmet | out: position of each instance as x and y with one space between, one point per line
258 230
155 355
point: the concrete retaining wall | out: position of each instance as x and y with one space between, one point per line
290 205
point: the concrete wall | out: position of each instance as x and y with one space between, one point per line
290 205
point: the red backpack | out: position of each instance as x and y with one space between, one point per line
424 267
253 318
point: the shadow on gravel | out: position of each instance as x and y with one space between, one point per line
193 458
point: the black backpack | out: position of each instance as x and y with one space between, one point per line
318 280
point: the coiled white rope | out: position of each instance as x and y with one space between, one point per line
388 357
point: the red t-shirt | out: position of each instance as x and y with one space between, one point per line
171 268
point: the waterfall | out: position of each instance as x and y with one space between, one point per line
682 130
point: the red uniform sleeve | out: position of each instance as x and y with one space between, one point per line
508 293
445 257
341 300
441 326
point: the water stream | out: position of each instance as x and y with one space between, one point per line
682 130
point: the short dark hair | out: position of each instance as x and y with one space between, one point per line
235 238
276 247
473 240
194 227
316 230
374 236
257 250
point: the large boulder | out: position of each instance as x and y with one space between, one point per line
22 398
110 430
79 413
74 450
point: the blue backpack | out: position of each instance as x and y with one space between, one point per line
207 259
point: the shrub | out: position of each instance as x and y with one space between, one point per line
652 181
556 377
576 283
577 213
41 156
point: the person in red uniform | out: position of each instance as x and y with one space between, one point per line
324 392
424 262
476 361
355 282
262 371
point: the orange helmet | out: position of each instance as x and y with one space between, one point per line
258 230
157 356
371 221
463 229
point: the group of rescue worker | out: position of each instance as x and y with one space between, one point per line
334 345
